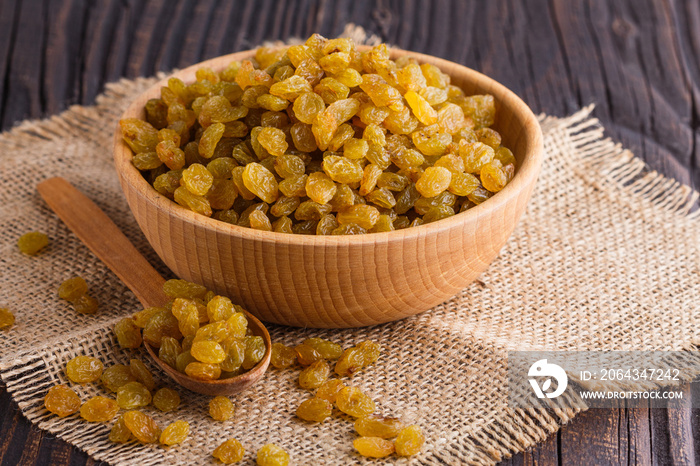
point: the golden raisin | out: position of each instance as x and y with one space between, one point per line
144 428
282 356
352 401
307 355
99 409
378 426
133 395
229 452
175 433
166 399
62 401
128 334
373 447
84 369
7 318
115 376
203 371
272 455
221 408
120 433
314 410
327 349
314 375
183 289
409 441
72 289
208 351
329 389
357 358
254 351
197 179
142 374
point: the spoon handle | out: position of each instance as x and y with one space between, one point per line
105 239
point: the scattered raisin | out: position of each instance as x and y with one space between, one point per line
84 369
62 401
144 428
133 395
409 441
166 399
99 409
314 410
378 426
33 242
373 447
7 318
229 452
128 333
352 401
175 433
72 289
272 455
115 376
221 408
282 356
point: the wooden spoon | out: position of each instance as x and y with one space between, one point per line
103 237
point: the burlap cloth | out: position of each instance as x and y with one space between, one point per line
606 257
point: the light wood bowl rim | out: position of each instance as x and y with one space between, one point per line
526 172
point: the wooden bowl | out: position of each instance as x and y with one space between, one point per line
340 281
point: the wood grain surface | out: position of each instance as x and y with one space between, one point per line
637 60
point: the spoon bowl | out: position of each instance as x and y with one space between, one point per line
108 243
222 386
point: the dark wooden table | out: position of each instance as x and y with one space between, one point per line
637 60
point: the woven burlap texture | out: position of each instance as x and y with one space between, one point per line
606 257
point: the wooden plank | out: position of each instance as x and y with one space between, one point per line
639 436
62 60
220 30
9 15
99 37
150 29
52 450
23 91
197 31
542 454
124 29
7 419
686 17
638 60
670 102
175 34
672 432
598 436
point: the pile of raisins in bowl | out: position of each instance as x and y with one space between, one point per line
320 138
